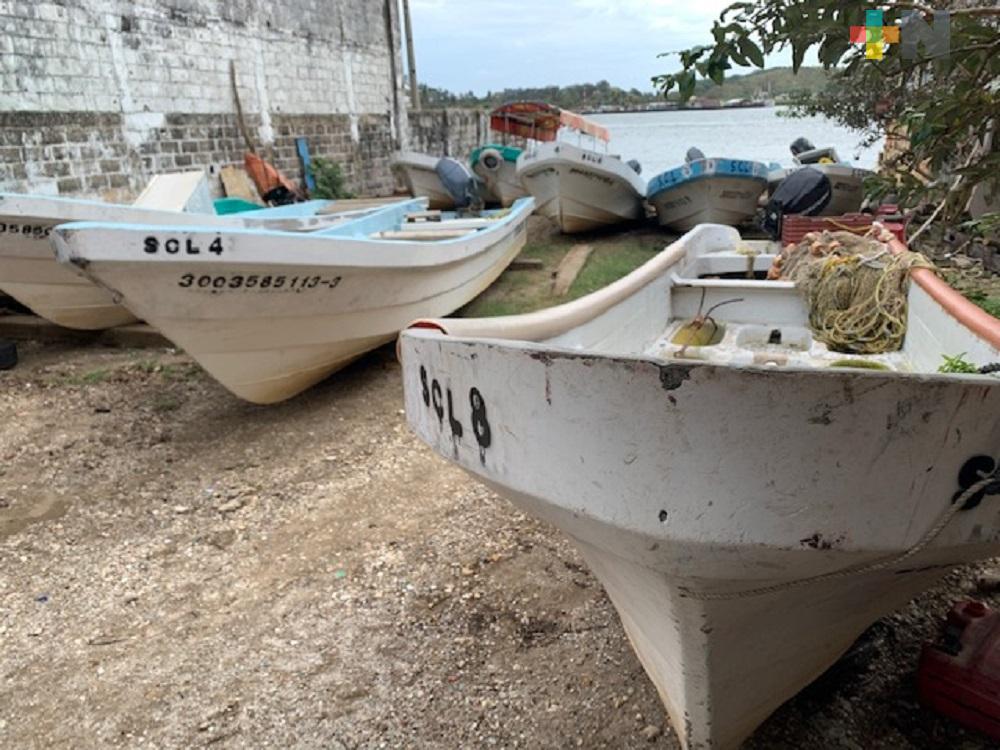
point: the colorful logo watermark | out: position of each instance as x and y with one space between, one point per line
874 35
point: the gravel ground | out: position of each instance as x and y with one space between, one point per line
181 569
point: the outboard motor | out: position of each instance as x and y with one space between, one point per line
805 191
636 166
800 146
693 154
463 186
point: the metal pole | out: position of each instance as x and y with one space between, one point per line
410 58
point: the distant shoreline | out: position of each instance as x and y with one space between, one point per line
673 108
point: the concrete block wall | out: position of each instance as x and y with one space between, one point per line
448 132
96 96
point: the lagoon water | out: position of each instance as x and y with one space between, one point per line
659 140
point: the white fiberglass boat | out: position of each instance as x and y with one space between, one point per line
847 182
496 166
30 274
418 172
752 503
268 314
707 191
577 188
581 189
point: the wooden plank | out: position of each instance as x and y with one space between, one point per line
569 267
339 206
236 183
302 146
526 264
441 234
439 226
418 216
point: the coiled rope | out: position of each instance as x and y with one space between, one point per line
855 288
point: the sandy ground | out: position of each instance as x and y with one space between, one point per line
180 569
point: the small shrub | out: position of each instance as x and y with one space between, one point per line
329 180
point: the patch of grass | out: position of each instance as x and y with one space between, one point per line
521 291
606 265
989 304
93 377
165 403
958 364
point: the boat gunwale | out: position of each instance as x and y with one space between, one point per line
560 319
360 252
429 330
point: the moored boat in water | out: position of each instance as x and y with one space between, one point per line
707 191
268 313
751 499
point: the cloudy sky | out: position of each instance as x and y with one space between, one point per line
492 44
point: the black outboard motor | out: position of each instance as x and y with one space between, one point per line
636 166
464 187
693 154
801 145
805 191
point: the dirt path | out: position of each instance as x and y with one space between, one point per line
180 569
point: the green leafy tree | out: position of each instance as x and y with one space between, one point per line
945 109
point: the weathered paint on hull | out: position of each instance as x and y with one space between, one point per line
709 200
669 515
580 190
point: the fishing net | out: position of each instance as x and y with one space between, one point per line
855 288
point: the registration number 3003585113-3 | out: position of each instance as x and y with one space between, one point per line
440 401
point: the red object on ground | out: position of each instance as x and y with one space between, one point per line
959 676
796 226
266 177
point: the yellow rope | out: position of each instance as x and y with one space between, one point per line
855 288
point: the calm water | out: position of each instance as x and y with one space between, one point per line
659 140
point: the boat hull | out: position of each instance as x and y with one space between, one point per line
727 567
707 191
502 182
30 273
417 172
580 190
269 324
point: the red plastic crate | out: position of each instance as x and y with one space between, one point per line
796 226
959 676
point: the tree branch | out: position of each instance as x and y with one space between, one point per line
929 11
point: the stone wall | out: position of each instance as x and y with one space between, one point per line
98 95
448 132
